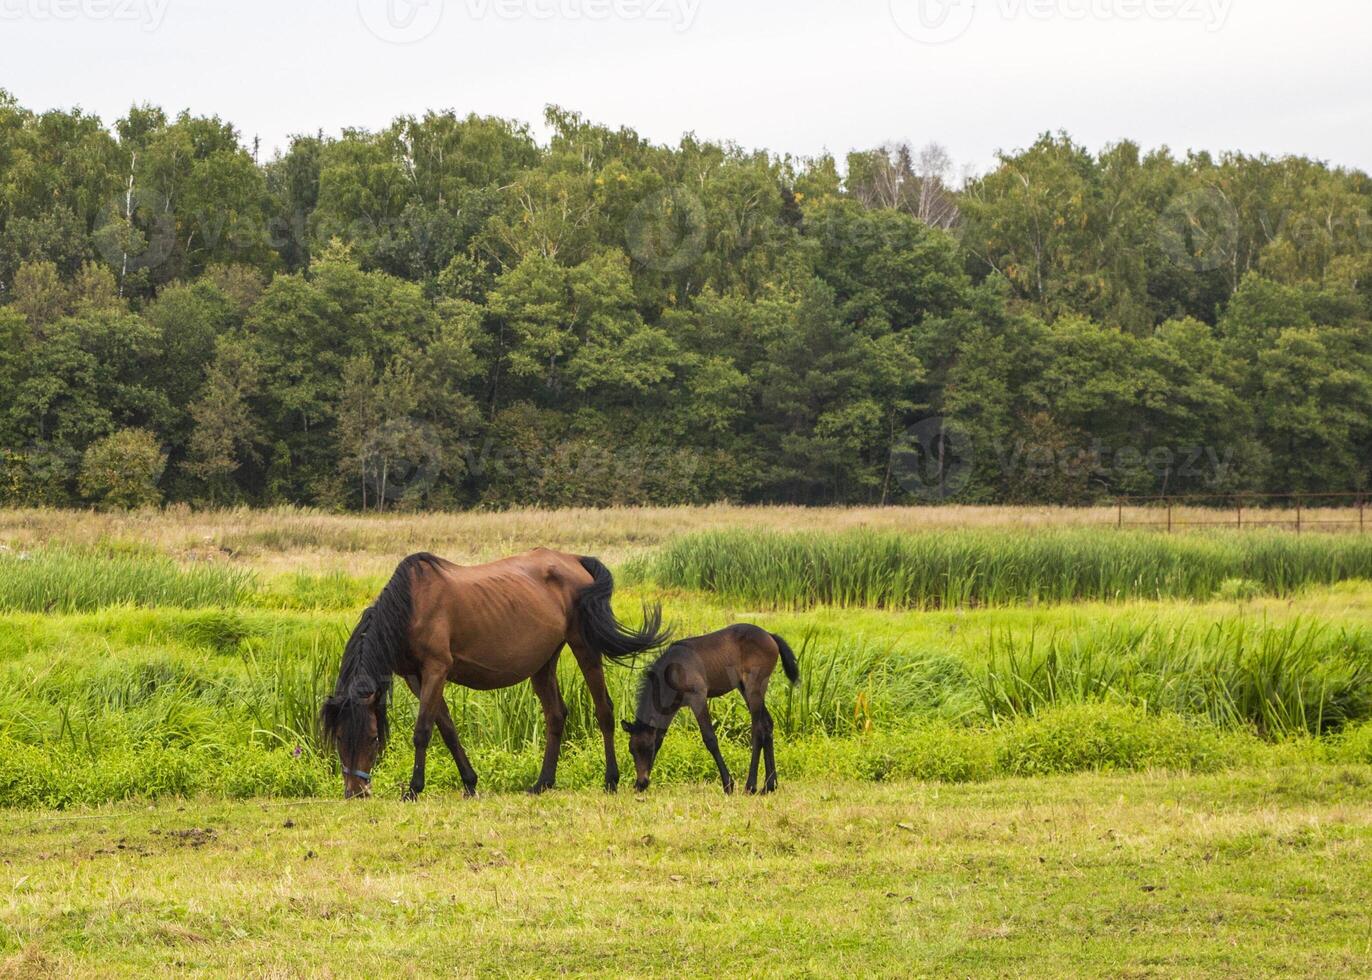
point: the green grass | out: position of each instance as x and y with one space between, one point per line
1249 873
66 580
128 702
948 569
1296 678
1065 753
140 677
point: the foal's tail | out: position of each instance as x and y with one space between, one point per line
788 660
606 635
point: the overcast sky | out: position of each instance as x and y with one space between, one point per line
793 76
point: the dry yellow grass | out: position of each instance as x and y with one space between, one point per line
300 539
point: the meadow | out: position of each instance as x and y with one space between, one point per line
160 674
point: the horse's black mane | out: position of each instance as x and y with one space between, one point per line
369 659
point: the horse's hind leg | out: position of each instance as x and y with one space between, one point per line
448 731
594 672
544 683
707 733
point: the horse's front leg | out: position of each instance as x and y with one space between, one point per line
430 700
448 731
594 672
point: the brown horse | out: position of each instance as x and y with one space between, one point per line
484 627
740 657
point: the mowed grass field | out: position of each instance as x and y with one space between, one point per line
1024 742
1250 873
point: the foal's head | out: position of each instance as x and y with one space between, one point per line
355 724
644 742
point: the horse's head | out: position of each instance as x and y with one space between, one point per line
644 743
356 724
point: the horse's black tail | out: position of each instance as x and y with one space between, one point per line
788 660
370 656
606 635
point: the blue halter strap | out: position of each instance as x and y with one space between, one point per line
366 777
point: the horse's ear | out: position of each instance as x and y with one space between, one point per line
628 727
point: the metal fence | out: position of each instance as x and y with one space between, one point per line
1299 512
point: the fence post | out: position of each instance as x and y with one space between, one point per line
1119 521
1240 513
1360 520
1298 517
1169 516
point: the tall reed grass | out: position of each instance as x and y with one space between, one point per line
1293 679
133 702
995 568
65 580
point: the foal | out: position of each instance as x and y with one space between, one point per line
690 672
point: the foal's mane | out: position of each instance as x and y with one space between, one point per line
652 692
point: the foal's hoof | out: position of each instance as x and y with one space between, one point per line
729 788
410 795
469 790
537 788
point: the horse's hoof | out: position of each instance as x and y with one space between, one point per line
729 788
750 789
469 790
612 787
410 795
537 788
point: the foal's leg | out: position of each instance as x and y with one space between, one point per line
544 683
707 733
594 672
430 700
767 752
448 731
756 696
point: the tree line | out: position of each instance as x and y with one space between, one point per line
450 312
